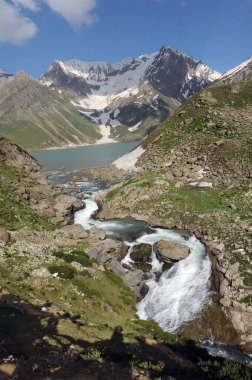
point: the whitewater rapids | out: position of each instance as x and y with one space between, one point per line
182 291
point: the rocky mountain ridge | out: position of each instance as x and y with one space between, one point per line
131 97
240 73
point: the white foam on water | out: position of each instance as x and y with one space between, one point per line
181 292
83 217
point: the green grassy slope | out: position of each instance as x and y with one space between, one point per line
35 117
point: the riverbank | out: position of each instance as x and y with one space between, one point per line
207 213
64 315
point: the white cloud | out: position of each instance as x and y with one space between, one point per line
33 5
14 27
76 12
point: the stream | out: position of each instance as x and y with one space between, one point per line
180 294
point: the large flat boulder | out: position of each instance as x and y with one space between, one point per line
169 251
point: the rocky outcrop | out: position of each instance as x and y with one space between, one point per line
16 156
67 205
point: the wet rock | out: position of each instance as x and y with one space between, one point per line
141 253
144 290
4 236
171 251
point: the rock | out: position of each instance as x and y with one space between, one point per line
141 253
144 290
179 184
77 266
73 231
41 272
116 267
109 246
4 236
171 251
133 278
8 370
210 124
97 233
219 143
220 247
92 253
58 219
232 272
67 205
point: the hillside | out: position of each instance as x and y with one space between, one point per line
65 315
36 117
130 98
195 173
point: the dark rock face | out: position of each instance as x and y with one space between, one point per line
168 75
61 79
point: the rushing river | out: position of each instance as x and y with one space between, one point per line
181 292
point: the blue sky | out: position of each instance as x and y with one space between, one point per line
34 32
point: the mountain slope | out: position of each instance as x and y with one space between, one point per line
34 116
130 97
195 173
239 73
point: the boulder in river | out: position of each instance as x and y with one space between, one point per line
141 254
169 251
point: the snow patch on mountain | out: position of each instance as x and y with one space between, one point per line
128 92
129 160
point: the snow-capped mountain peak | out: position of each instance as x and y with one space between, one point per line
129 92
